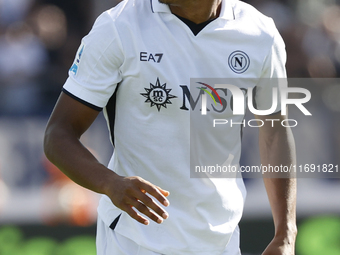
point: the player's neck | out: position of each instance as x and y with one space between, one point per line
197 11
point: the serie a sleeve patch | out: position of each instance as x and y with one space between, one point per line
75 65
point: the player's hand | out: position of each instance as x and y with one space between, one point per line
129 192
280 247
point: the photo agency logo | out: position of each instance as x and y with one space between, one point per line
242 98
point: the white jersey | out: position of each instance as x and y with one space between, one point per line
138 63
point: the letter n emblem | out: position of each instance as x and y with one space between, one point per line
238 61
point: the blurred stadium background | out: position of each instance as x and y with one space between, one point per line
43 213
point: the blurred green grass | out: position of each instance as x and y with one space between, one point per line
12 242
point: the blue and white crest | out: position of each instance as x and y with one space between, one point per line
75 66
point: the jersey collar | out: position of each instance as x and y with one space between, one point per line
227 12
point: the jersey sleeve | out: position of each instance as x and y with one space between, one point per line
95 72
273 75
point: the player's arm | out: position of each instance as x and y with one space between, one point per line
277 147
69 120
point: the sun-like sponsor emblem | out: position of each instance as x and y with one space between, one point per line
158 95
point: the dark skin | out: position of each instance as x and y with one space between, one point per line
198 11
277 148
70 119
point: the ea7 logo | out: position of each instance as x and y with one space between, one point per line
147 57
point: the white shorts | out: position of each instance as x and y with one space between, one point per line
110 242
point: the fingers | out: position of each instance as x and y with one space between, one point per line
144 201
133 214
155 191
139 206
138 198
148 203
164 192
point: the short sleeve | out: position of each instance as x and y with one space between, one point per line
95 72
273 75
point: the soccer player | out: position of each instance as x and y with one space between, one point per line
136 65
